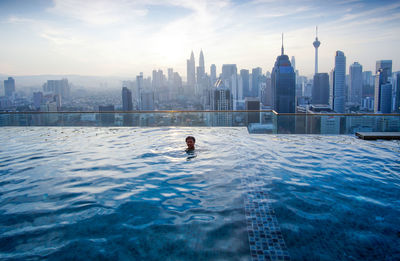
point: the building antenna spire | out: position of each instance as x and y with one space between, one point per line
316 31
282 43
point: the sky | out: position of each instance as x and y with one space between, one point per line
124 38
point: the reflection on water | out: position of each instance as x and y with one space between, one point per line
191 154
264 122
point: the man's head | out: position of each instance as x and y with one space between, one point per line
190 141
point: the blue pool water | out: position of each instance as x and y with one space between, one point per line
134 194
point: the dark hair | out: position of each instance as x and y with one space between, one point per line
190 137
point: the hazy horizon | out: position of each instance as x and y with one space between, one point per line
124 38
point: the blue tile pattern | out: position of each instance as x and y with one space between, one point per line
265 237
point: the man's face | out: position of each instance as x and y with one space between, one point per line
190 143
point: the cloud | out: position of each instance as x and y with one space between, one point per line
99 12
366 15
131 36
288 12
60 37
19 20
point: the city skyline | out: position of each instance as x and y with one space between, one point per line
121 38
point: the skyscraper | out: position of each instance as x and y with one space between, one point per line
244 76
37 99
356 83
320 90
227 71
201 63
397 95
293 61
383 72
316 44
283 85
229 80
256 74
140 88
147 101
368 84
386 66
60 87
339 82
222 102
191 71
9 87
170 75
252 104
213 74
126 99
385 101
200 70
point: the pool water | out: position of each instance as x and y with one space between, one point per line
135 194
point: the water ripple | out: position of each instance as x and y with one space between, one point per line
130 193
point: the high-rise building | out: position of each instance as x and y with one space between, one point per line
266 94
126 99
252 104
213 74
356 83
158 80
244 76
200 73
9 87
37 99
386 66
147 101
60 87
316 44
368 84
229 80
320 90
339 82
227 71
139 89
256 74
191 71
383 72
293 62
307 91
170 75
283 85
201 67
397 94
386 98
222 102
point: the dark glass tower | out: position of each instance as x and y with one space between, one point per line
397 99
383 72
126 99
283 80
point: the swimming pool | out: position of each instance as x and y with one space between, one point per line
133 193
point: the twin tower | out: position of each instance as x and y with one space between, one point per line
192 71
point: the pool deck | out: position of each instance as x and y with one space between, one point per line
378 135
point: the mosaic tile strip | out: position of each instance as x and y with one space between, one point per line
265 237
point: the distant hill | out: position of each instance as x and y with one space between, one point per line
98 82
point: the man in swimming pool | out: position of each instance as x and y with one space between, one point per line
190 141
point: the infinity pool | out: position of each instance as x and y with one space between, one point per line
135 194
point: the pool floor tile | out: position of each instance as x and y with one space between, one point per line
265 237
